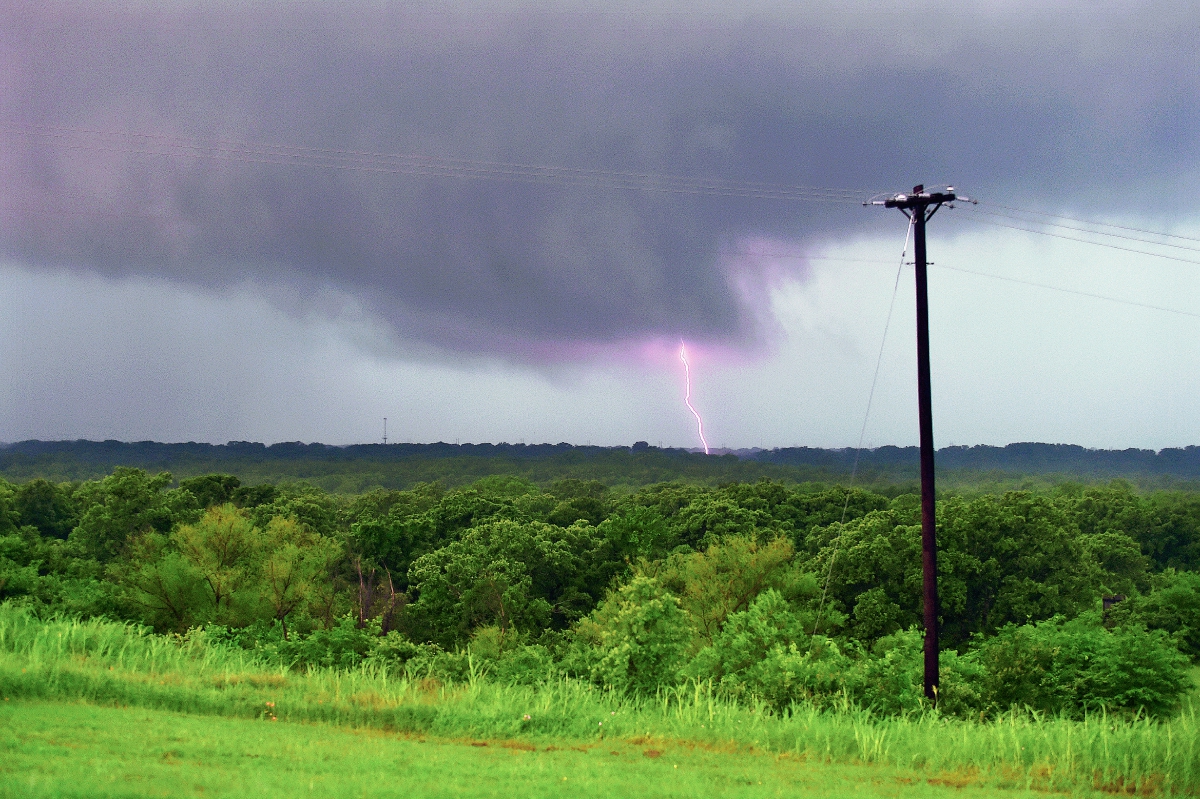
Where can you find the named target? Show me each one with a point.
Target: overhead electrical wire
(1077, 292)
(1122, 236)
(143, 144)
(289, 155)
(1095, 223)
(1035, 284)
(170, 146)
(1051, 234)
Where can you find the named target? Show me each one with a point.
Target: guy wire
(863, 430)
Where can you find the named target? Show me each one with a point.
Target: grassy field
(65, 750)
(63, 663)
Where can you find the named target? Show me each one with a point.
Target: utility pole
(920, 206)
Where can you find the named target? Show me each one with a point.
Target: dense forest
(775, 592)
(358, 468)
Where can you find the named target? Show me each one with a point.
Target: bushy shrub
(398, 652)
(507, 657)
(519, 576)
(344, 646)
(1076, 666)
(1173, 605)
(18, 576)
(637, 639)
(727, 576)
(259, 636)
(765, 651)
(891, 680)
(432, 662)
(814, 671)
(747, 636)
(531, 664)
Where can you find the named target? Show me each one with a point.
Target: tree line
(358, 468)
(776, 593)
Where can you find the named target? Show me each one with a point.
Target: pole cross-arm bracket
(919, 198)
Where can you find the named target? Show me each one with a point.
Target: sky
(497, 221)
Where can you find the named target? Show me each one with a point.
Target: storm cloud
(225, 145)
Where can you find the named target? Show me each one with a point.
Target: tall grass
(113, 663)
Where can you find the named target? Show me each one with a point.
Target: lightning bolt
(687, 394)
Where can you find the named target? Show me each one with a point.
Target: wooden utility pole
(920, 206)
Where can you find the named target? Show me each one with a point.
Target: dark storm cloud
(1079, 105)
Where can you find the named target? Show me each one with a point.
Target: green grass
(106, 663)
(80, 750)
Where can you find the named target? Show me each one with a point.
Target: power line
(291, 155)
(1069, 291)
(1093, 243)
(161, 145)
(424, 165)
(1047, 286)
(783, 255)
(1086, 230)
(1095, 223)
(90, 211)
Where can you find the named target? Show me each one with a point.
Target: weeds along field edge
(108, 662)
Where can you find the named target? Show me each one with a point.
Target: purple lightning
(687, 394)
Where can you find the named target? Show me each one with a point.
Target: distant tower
(385, 430)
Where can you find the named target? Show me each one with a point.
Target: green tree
(579, 499)
(1078, 666)
(294, 564)
(251, 497)
(400, 505)
(1172, 605)
(871, 572)
(637, 531)
(1025, 560)
(1173, 541)
(211, 489)
(727, 577)
(161, 587)
(392, 529)
(46, 506)
(637, 640)
(516, 575)
(455, 513)
(127, 503)
(18, 566)
(666, 500)
(769, 651)
(222, 547)
(708, 519)
(307, 504)
(223, 569)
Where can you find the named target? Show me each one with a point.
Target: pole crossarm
(919, 198)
